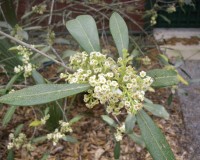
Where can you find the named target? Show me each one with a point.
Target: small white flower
(126, 78)
(110, 74)
(142, 74)
(114, 83)
(118, 136)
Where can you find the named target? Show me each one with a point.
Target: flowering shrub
(116, 85)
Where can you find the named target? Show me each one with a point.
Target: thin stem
(64, 116)
(51, 11)
(57, 55)
(36, 50)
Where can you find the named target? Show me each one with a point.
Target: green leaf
(170, 99)
(130, 123)
(153, 137)
(119, 31)
(42, 93)
(163, 59)
(68, 53)
(137, 139)
(8, 115)
(39, 139)
(75, 119)
(84, 31)
(157, 110)
(117, 151)
(10, 155)
(35, 123)
(62, 41)
(165, 18)
(148, 100)
(56, 115)
(163, 77)
(37, 77)
(70, 139)
(18, 129)
(12, 81)
(109, 121)
(8, 9)
(135, 53)
(45, 156)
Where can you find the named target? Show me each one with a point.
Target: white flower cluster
(19, 142)
(119, 134)
(40, 9)
(59, 133)
(146, 60)
(153, 18)
(19, 33)
(44, 119)
(115, 84)
(27, 67)
(171, 9)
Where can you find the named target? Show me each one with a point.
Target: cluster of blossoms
(59, 133)
(146, 60)
(44, 119)
(19, 142)
(19, 33)
(40, 9)
(119, 134)
(50, 37)
(171, 9)
(27, 67)
(153, 18)
(115, 84)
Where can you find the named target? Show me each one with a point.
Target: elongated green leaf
(137, 139)
(18, 129)
(8, 9)
(39, 139)
(75, 119)
(117, 151)
(8, 115)
(130, 123)
(13, 79)
(42, 93)
(67, 53)
(153, 137)
(84, 31)
(119, 31)
(10, 155)
(163, 77)
(70, 139)
(165, 18)
(37, 77)
(157, 110)
(170, 99)
(109, 121)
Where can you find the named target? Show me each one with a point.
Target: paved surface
(189, 95)
(190, 104)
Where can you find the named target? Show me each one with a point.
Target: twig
(57, 55)
(36, 50)
(51, 11)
